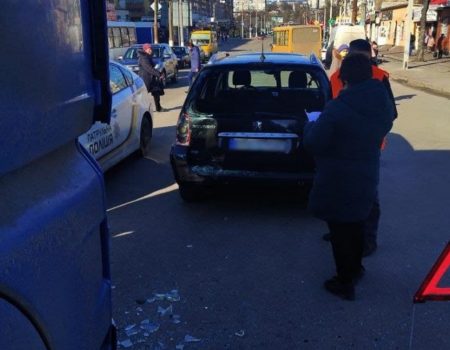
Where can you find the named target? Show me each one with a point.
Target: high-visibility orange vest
(337, 85)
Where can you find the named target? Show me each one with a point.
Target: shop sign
(431, 14)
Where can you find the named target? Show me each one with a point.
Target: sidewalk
(432, 76)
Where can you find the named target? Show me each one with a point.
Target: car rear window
(272, 90)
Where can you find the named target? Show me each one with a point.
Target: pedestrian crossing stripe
(429, 290)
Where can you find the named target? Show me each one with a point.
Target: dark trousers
(371, 223)
(347, 243)
(157, 99)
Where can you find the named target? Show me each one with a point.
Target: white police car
(131, 123)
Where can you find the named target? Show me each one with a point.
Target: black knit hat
(360, 45)
(355, 69)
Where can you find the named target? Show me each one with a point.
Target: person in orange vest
(361, 46)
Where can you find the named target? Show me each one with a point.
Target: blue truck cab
(55, 284)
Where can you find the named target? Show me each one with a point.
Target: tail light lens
(184, 130)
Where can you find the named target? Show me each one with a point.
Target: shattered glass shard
(173, 296)
(163, 312)
(130, 326)
(159, 296)
(126, 343)
(149, 327)
(190, 339)
(240, 333)
(176, 319)
(131, 332)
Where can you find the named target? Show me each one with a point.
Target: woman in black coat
(150, 75)
(345, 142)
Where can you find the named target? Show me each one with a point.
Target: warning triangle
(429, 289)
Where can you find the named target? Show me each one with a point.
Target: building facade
(249, 5)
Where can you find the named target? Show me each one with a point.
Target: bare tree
(423, 21)
(354, 10)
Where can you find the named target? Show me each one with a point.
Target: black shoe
(327, 237)
(369, 249)
(359, 274)
(345, 291)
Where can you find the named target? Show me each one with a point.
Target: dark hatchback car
(182, 54)
(243, 120)
(165, 61)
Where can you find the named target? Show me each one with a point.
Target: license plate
(260, 145)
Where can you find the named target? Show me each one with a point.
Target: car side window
(117, 80)
(128, 76)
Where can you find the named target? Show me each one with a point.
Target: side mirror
(120, 58)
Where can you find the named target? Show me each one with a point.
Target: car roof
(273, 58)
(139, 46)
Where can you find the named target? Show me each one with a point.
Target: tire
(175, 76)
(191, 193)
(146, 136)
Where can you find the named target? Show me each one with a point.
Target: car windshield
(200, 39)
(132, 53)
(282, 89)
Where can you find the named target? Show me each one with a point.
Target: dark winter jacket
(345, 142)
(148, 73)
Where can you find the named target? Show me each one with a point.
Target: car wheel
(175, 76)
(146, 136)
(191, 193)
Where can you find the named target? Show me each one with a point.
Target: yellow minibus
(304, 39)
(206, 40)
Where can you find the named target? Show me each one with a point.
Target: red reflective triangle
(429, 289)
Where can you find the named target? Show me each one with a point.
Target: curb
(417, 84)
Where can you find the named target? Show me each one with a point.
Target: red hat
(146, 47)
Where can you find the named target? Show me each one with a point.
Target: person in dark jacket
(345, 142)
(360, 46)
(150, 75)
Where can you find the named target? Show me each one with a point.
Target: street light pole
(181, 23)
(242, 20)
(170, 3)
(155, 22)
(409, 14)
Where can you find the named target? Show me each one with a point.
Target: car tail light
(183, 130)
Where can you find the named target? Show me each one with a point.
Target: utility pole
(242, 20)
(181, 23)
(170, 4)
(354, 11)
(250, 23)
(155, 22)
(409, 14)
(189, 18)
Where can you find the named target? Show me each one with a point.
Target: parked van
(342, 34)
(55, 282)
(206, 40)
(303, 39)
